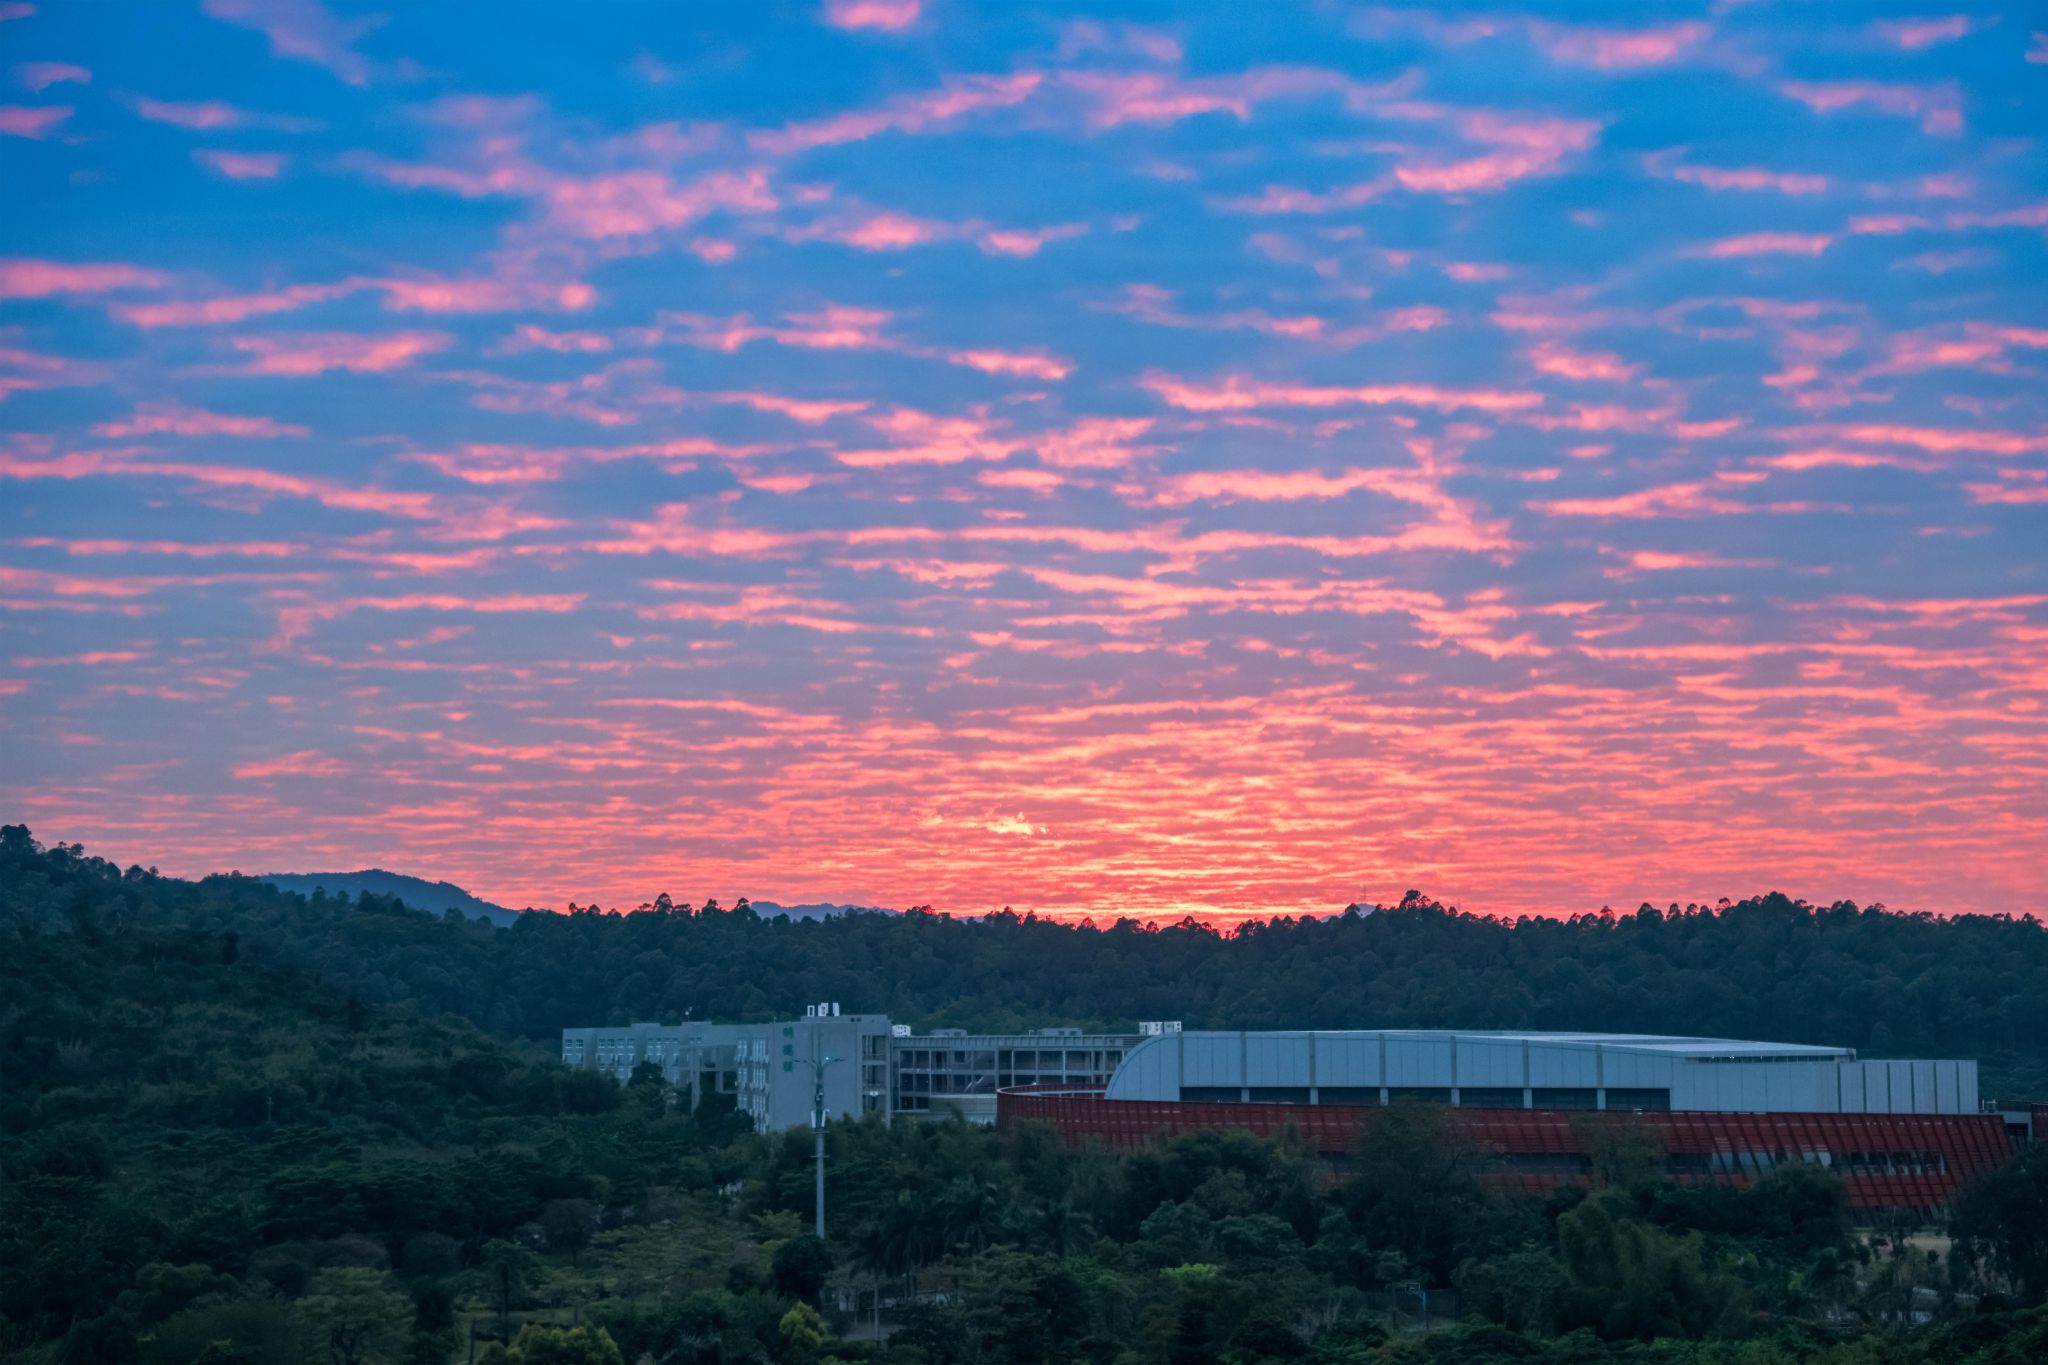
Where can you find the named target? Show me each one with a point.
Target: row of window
(967, 1083)
(1006, 1059)
(1467, 1097)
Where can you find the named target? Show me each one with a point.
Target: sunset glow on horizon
(1189, 459)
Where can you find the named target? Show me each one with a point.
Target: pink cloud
(293, 622)
(527, 337)
(1238, 394)
(17, 120)
(633, 203)
(1749, 178)
(36, 77)
(1153, 305)
(241, 165)
(1938, 107)
(1530, 148)
(1260, 485)
(22, 278)
(304, 30)
(1022, 364)
(1603, 49)
(923, 438)
(515, 177)
(955, 99)
(1113, 98)
(1665, 561)
(1094, 443)
(880, 232)
(1703, 498)
(1555, 358)
(1941, 262)
(479, 294)
(207, 116)
(1026, 241)
(889, 16)
(1082, 36)
(261, 483)
(26, 371)
(154, 419)
(809, 411)
(1767, 244)
(229, 308)
(1912, 35)
(301, 354)
(302, 763)
(1609, 49)
(1154, 97)
(1944, 440)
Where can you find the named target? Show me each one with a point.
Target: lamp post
(818, 1062)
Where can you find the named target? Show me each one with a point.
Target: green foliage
(537, 1344)
(240, 1128)
(800, 1266)
(2001, 1222)
(1897, 984)
(802, 1334)
(351, 1318)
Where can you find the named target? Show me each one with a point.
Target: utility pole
(818, 1064)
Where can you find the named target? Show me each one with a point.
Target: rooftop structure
(1500, 1070)
(1902, 1133)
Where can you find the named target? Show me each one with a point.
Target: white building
(1536, 1071)
(870, 1065)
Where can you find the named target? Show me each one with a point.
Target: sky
(1222, 459)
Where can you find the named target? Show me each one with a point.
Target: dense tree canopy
(236, 1126)
(1885, 983)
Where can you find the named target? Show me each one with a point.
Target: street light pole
(818, 1064)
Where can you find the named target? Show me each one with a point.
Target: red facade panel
(1916, 1161)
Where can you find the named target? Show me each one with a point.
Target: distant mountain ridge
(441, 897)
(419, 893)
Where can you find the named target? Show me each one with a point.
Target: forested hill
(417, 892)
(1769, 967)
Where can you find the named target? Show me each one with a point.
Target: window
(1895, 1163)
(1423, 1094)
(1353, 1095)
(1548, 1097)
(1659, 1100)
(1211, 1094)
(1279, 1094)
(1487, 1097)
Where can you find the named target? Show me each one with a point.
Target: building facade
(870, 1065)
(1901, 1134)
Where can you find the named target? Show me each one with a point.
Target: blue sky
(1151, 458)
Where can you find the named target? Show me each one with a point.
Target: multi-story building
(870, 1065)
(950, 1071)
(699, 1057)
(782, 1065)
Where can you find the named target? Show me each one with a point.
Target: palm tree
(973, 1212)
